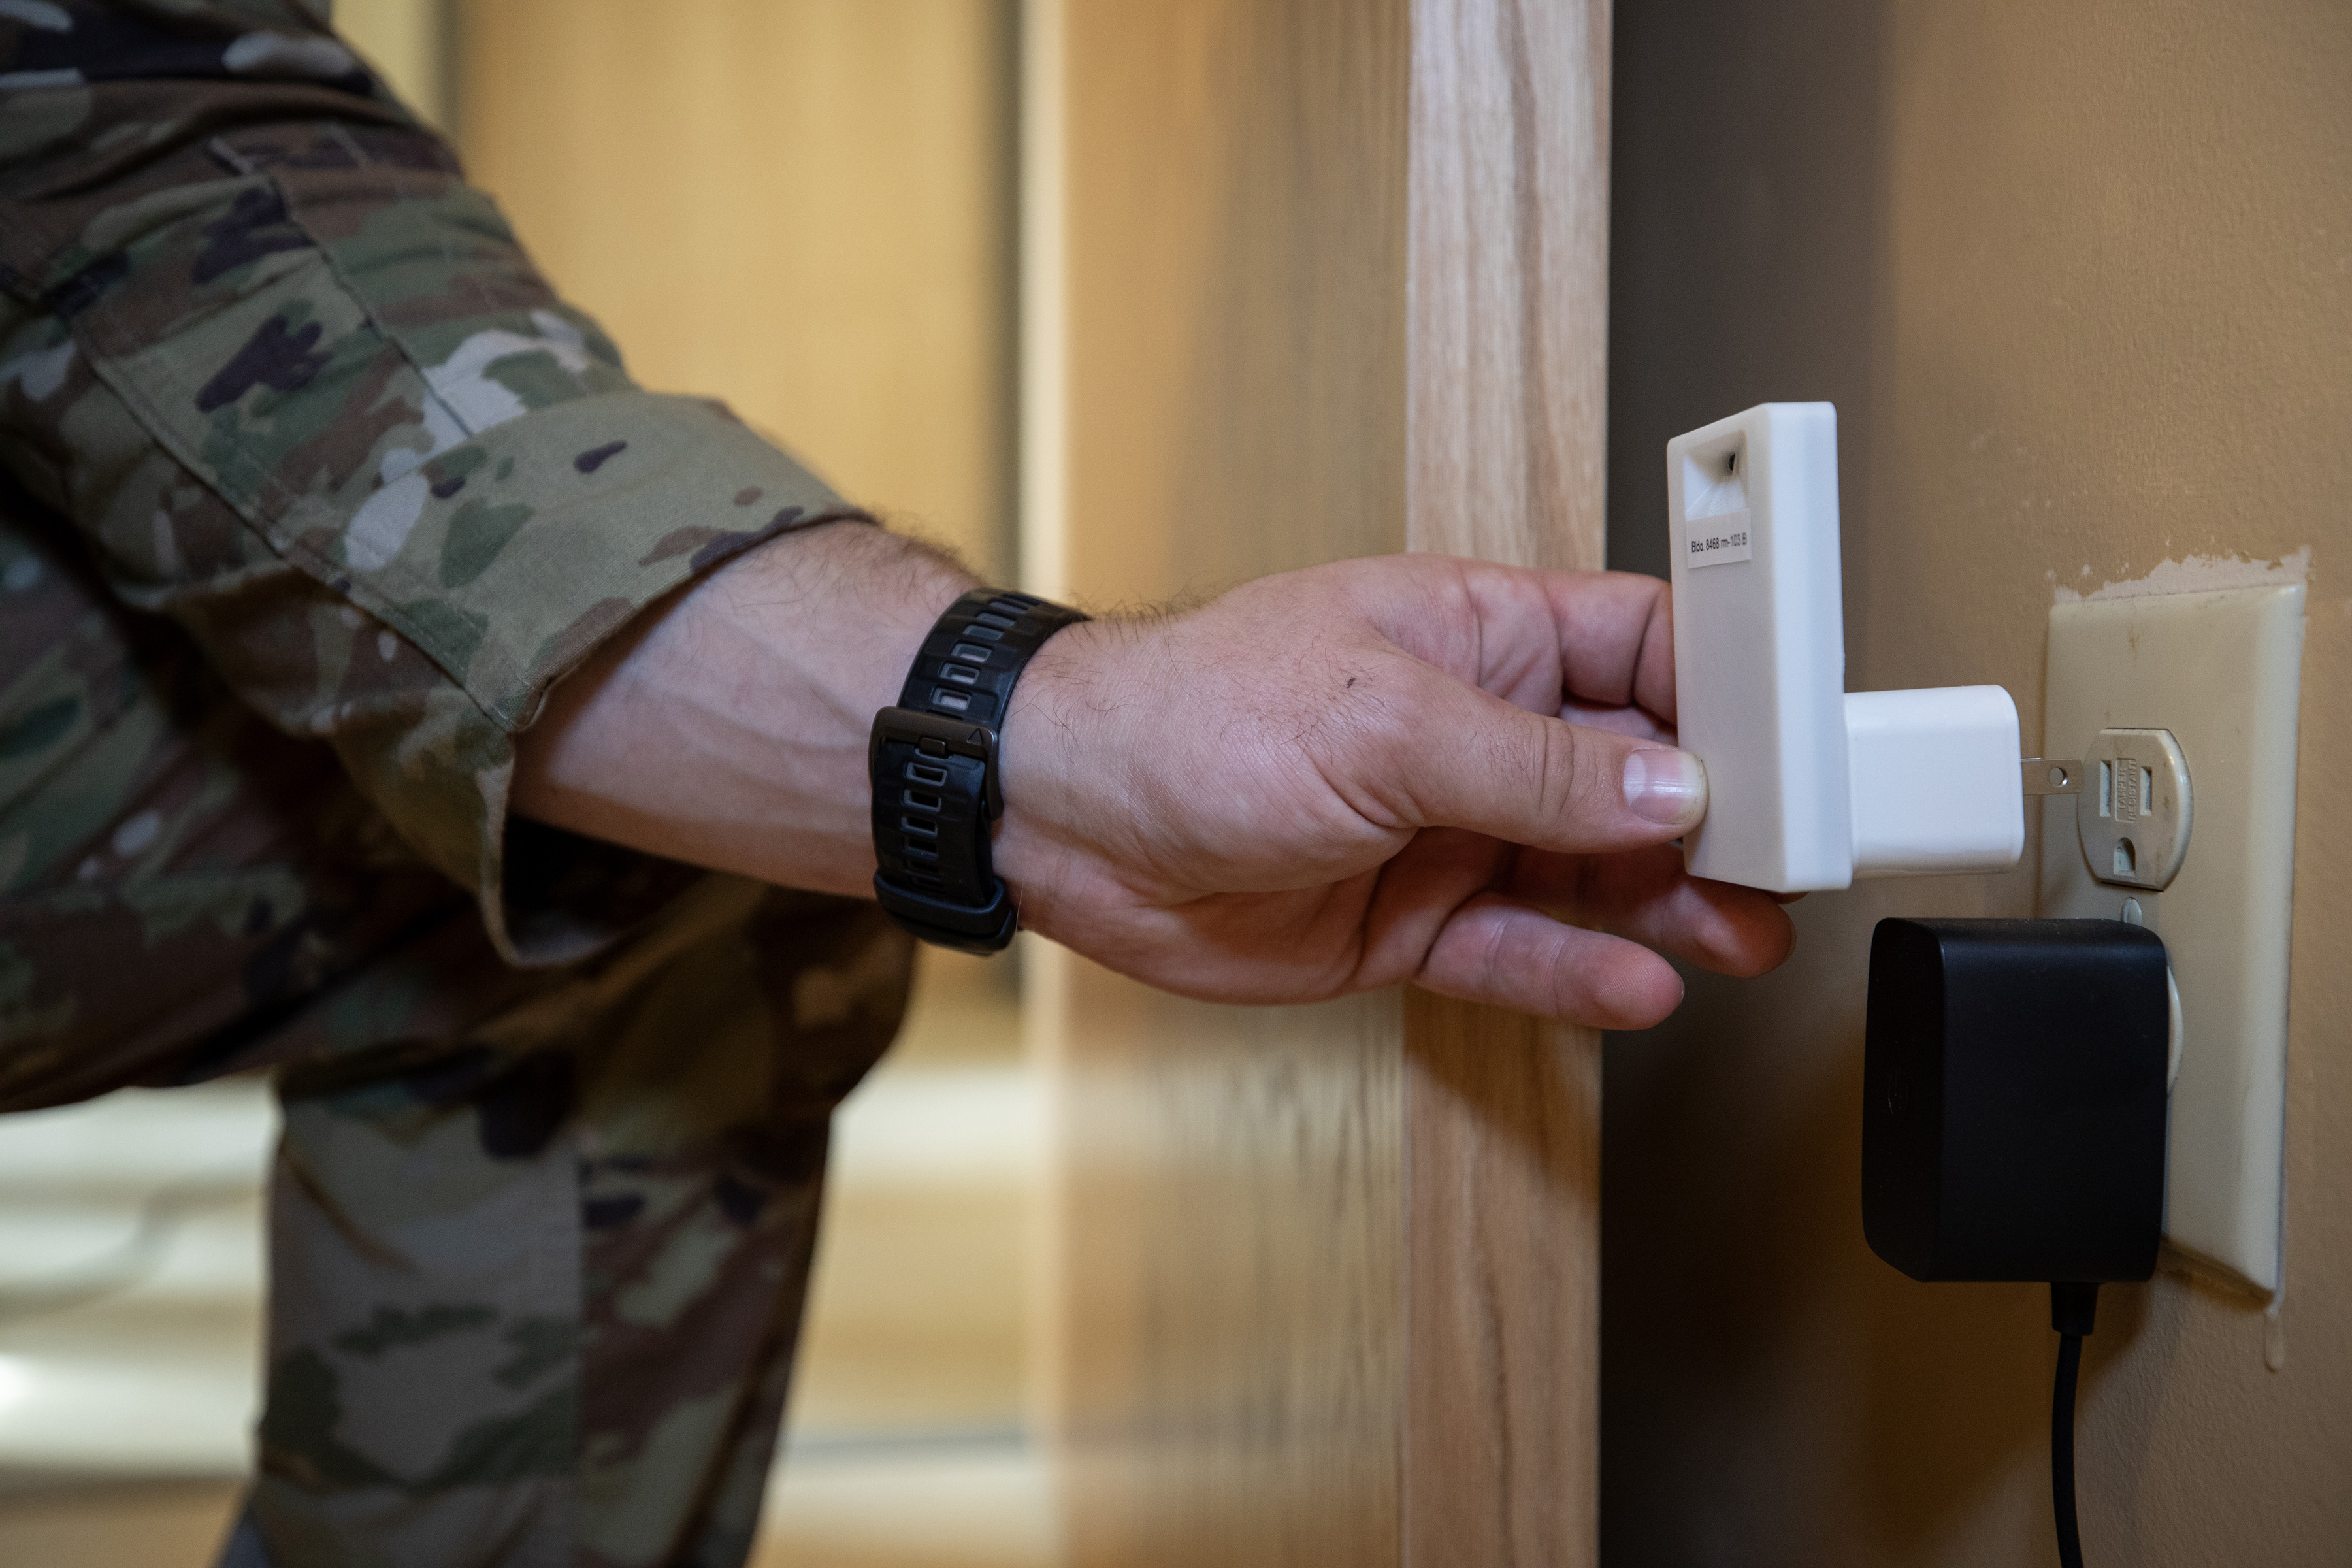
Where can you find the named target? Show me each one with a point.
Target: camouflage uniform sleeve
(298, 387)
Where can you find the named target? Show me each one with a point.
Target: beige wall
(2079, 278)
(407, 42)
(805, 209)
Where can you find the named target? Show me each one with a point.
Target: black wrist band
(932, 760)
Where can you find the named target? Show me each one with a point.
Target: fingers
(1498, 947)
(1438, 753)
(1630, 720)
(1496, 950)
(1603, 640)
(1617, 638)
(1646, 895)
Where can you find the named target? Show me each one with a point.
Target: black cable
(2062, 1451)
(2072, 1308)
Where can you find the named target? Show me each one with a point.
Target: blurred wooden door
(1310, 279)
(802, 206)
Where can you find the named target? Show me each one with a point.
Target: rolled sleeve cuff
(509, 558)
(517, 555)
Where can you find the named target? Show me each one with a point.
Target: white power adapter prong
(1809, 787)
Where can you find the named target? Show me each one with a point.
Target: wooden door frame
(1492, 1180)
(1507, 441)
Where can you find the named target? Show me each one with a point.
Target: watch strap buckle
(935, 736)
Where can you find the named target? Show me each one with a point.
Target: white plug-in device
(1810, 786)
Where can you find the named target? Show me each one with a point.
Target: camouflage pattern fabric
(312, 489)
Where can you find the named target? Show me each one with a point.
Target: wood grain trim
(1506, 346)
(1508, 262)
(1502, 1200)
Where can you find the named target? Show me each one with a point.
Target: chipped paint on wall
(2196, 575)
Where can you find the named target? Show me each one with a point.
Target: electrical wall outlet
(2203, 685)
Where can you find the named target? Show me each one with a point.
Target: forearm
(1319, 783)
(728, 729)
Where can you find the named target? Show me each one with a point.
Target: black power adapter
(2015, 1076)
(2013, 1093)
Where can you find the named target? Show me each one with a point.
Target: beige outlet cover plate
(2221, 672)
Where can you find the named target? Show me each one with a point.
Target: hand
(1403, 768)
(1321, 783)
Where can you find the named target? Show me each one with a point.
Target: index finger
(1616, 638)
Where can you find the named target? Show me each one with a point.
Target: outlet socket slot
(2134, 825)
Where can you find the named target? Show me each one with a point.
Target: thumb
(1466, 758)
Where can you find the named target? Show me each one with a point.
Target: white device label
(1719, 539)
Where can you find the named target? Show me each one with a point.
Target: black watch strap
(932, 760)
